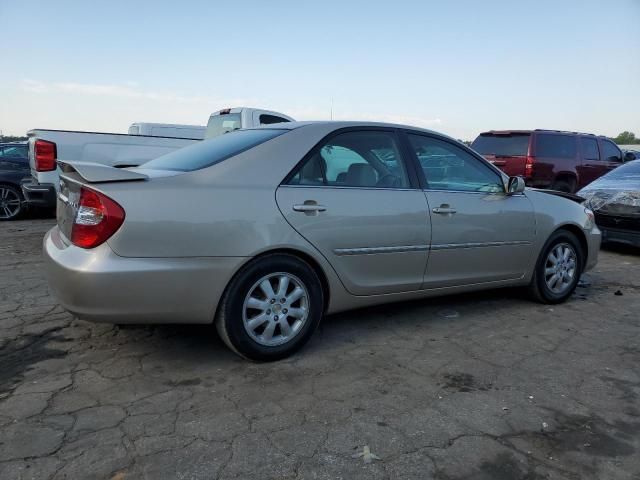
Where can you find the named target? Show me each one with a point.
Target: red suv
(565, 161)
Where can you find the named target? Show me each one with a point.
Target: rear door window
(590, 148)
(506, 145)
(364, 159)
(557, 146)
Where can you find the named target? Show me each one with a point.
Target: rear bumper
(99, 285)
(38, 194)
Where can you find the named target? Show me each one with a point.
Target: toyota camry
(264, 231)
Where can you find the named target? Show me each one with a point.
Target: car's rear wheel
(558, 268)
(271, 308)
(10, 202)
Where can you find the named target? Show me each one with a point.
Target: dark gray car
(14, 166)
(615, 200)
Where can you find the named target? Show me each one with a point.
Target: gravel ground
(483, 386)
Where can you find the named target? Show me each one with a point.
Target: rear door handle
(444, 210)
(309, 208)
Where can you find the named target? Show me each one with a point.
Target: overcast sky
(459, 67)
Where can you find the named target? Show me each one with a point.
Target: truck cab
(229, 119)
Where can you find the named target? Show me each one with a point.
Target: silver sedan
(264, 231)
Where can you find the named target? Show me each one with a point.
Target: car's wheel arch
(567, 177)
(578, 232)
(300, 255)
(4, 183)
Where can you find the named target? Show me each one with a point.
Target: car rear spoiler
(98, 173)
(570, 196)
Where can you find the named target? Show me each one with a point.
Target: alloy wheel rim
(560, 268)
(9, 203)
(275, 309)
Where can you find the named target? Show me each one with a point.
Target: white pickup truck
(167, 130)
(116, 150)
(229, 119)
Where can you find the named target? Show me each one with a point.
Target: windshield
(220, 124)
(209, 152)
(512, 144)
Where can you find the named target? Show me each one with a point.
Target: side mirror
(629, 156)
(515, 185)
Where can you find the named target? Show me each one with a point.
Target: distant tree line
(627, 138)
(11, 138)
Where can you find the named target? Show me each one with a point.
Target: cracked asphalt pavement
(482, 386)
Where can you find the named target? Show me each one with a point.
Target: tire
(561, 186)
(246, 318)
(9, 209)
(540, 289)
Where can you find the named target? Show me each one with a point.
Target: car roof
(539, 130)
(338, 124)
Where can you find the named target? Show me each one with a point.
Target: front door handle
(444, 210)
(309, 208)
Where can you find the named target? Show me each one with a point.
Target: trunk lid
(98, 173)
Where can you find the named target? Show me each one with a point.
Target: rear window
(209, 152)
(509, 145)
(558, 146)
(221, 124)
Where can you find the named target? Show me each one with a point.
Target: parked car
(14, 166)
(615, 200)
(46, 147)
(194, 132)
(229, 119)
(264, 230)
(550, 159)
(630, 154)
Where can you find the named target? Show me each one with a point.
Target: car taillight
(45, 155)
(97, 218)
(528, 167)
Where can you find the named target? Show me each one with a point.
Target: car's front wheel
(271, 308)
(558, 268)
